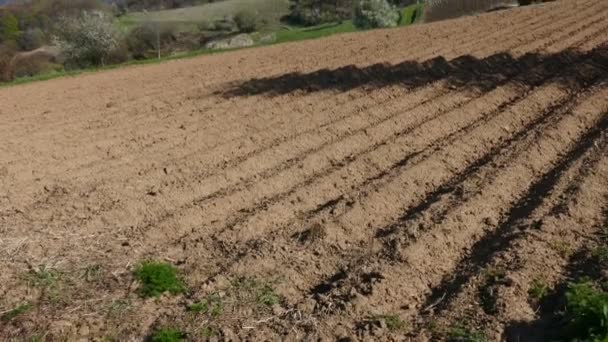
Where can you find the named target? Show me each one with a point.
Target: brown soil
(370, 181)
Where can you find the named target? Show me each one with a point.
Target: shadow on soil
(462, 72)
(550, 324)
(511, 228)
(551, 321)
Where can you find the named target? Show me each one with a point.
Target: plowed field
(361, 186)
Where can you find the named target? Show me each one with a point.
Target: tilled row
(495, 286)
(296, 262)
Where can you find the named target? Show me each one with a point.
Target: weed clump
(212, 305)
(538, 289)
(157, 278)
(253, 291)
(167, 335)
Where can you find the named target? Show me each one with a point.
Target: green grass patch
(167, 335)
(314, 32)
(14, 313)
(157, 278)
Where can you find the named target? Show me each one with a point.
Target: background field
(443, 181)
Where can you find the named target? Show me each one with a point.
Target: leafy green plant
(19, 310)
(587, 313)
(167, 335)
(157, 278)
(600, 254)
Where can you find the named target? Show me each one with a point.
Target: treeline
(314, 12)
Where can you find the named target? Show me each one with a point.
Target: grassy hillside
(270, 11)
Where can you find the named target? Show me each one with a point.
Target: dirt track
(359, 176)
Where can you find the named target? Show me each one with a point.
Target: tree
(9, 27)
(87, 39)
(313, 12)
(374, 14)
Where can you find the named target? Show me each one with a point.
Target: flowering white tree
(87, 39)
(375, 13)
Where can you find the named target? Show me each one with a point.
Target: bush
(142, 40)
(206, 26)
(34, 63)
(315, 12)
(375, 14)
(31, 39)
(86, 40)
(246, 21)
(227, 24)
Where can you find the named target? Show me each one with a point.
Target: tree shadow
(510, 229)
(466, 72)
(551, 321)
(550, 324)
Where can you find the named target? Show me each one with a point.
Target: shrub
(246, 21)
(375, 14)
(34, 63)
(157, 278)
(142, 40)
(225, 24)
(31, 39)
(87, 39)
(314, 12)
(9, 27)
(206, 26)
